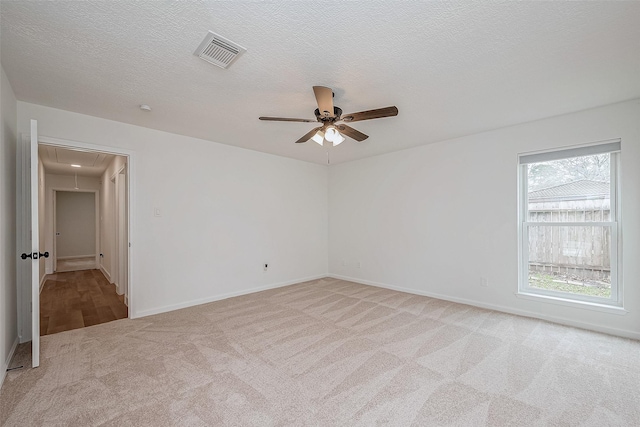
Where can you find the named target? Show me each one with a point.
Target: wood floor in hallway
(76, 299)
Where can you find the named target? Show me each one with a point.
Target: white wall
(225, 211)
(59, 182)
(403, 216)
(8, 252)
(75, 224)
(436, 218)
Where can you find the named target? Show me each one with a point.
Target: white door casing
(122, 232)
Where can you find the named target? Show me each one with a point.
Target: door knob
(35, 255)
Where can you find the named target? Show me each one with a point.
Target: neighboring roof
(576, 190)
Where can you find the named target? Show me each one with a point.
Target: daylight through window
(568, 224)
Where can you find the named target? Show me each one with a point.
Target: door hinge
(30, 307)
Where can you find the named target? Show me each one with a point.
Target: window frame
(524, 159)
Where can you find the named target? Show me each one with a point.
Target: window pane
(576, 189)
(570, 259)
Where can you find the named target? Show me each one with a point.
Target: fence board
(582, 252)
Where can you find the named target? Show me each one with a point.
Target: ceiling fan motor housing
(337, 112)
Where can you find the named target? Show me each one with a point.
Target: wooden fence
(579, 252)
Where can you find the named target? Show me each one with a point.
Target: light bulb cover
(318, 137)
(338, 139)
(330, 134)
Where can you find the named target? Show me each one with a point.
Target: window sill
(573, 303)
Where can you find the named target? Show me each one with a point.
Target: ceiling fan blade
(324, 96)
(285, 119)
(352, 133)
(370, 114)
(307, 136)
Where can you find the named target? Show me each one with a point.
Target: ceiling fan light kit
(333, 136)
(329, 115)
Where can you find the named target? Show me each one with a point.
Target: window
(568, 224)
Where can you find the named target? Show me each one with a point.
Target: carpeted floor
(328, 353)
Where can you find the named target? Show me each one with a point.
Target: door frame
(122, 242)
(54, 222)
(118, 251)
(131, 205)
(130, 199)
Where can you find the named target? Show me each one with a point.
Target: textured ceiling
(451, 68)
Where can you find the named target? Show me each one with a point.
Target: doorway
(33, 264)
(84, 220)
(75, 230)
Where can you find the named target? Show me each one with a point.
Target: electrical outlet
(344, 263)
(484, 282)
(358, 264)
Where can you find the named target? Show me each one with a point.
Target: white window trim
(611, 305)
(606, 308)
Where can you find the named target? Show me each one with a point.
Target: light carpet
(328, 353)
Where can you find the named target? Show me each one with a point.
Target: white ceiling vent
(219, 51)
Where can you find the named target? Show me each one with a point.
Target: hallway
(76, 299)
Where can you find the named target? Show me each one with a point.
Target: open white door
(28, 264)
(35, 246)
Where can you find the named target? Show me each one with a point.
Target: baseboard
(206, 300)
(554, 319)
(77, 256)
(3, 374)
(42, 280)
(106, 273)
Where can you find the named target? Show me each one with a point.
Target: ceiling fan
(329, 115)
